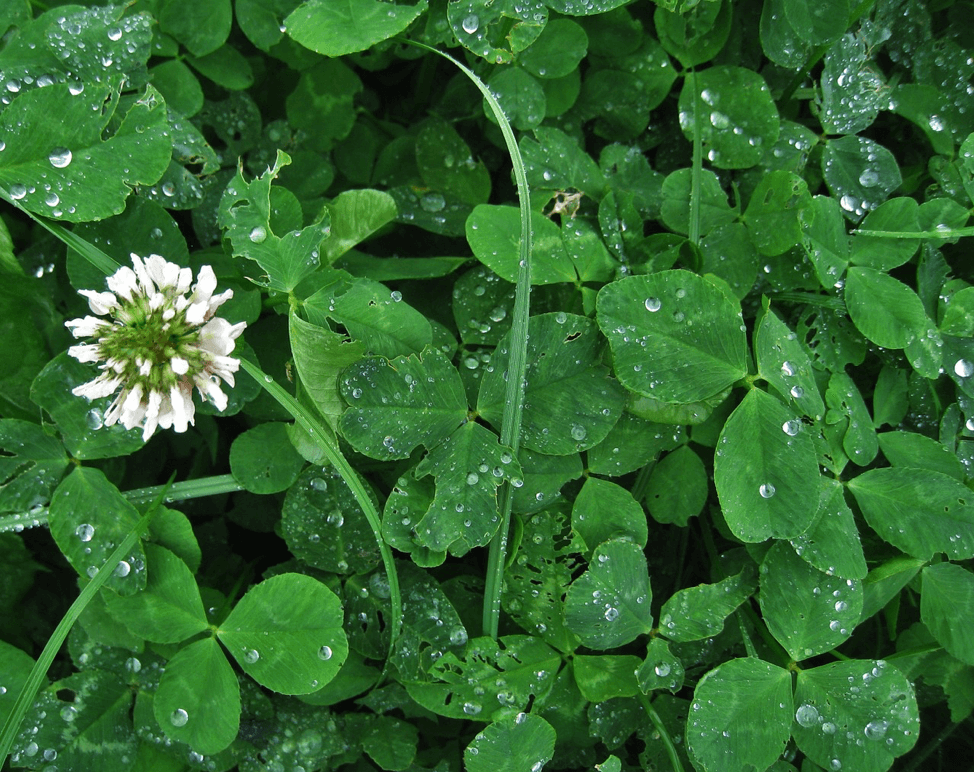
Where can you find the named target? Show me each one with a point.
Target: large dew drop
(470, 24)
(84, 532)
(806, 715)
(179, 717)
(963, 368)
(60, 157)
(766, 490)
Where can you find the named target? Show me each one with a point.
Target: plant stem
(660, 727)
(324, 441)
(696, 170)
(181, 491)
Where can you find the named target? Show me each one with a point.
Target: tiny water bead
(470, 24)
(653, 304)
(179, 717)
(258, 234)
(18, 191)
(324, 653)
(123, 569)
(251, 656)
(662, 670)
(792, 427)
(767, 490)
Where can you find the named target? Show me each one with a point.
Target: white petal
(87, 327)
(103, 386)
(217, 336)
(196, 313)
(218, 300)
(179, 365)
(86, 352)
(147, 285)
(183, 409)
(209, 388)
(145, 367)
(165, 412)
(133, 400)
(123, 282)
(151, 415)
(205, 284)
(100, 302)
(184, 280)
(163, 273)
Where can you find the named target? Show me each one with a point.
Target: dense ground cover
(700, 499)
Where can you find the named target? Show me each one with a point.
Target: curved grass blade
(26, 697)
(306, 420)
(514, 398)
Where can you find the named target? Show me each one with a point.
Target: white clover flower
(157, 345)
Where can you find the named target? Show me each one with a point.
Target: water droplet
(433, 202)
(473, 478)
(963, 368)
(76, 88)
(876, 730)
(719, 120)
(611, 614)
(797, 392)
(133, 665)
(60, 157)
(787, 369)
(828, 728)
(324, 653)
(94, 419)
(806, 715)
(115, 33)
(767, 490)
(471, 708)
(179, 717)
(168, 189)
(653, 304)
(258, 234)
(662, 669)
(18, 191)
(868, 178)
(841, 605)
(52, 199)
(396, 296)
(251, 656)
(470, 24)
(792, 427)
(69, 713)
(578, 432)
(123, 569)
(84, 532)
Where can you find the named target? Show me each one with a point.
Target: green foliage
(721, 452)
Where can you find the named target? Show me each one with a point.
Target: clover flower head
(160, 340)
